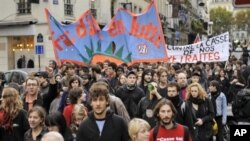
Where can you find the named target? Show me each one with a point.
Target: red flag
(197, 38)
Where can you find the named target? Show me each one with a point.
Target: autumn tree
(242, 20)
(222, 20)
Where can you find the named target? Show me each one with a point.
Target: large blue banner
(126, 38)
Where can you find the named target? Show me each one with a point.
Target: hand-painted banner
(126, 38)
(211, 50)
(74, 42)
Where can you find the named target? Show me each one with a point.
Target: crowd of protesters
(110, 102)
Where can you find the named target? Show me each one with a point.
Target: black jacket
(37, 102)
(145, 110)
(20, 126)
(115, 129)
(130, 99)
(206, 113)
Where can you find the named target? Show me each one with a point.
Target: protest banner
(126, 38)
(213, 49)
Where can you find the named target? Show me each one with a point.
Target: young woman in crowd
(36, 118)
(219, 101)
(147, 77)
(56, 122)
(121, 81)
(224, 82)
(138, 130)
(13, 119)
(78, 115)
(203, 112)
(75, 97)
(73, 83)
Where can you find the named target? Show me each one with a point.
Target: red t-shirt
(174, 134)
(67, 113)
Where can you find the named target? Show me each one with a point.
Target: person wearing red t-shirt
(167, 129)
(75, 97)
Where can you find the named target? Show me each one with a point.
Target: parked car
(17, 76)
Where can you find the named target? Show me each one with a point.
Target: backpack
(241, 104)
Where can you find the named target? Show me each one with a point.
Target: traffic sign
(39, 49)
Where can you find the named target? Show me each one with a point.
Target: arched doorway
(22, 50)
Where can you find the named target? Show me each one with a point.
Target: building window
(68, 8)
(135, 9)
(140, 10)
(242, 35)
(93, 8)
(93, 12)
(24, 7)
(92, 4)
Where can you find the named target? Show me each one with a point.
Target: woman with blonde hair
(202, 111)
(79, 113)
(13, 119)
(138, 129)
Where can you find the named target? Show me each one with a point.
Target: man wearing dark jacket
(130, 94)
(183, 115)
(101, 124)
(147, 105)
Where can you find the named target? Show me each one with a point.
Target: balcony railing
(68, 9)
(93, 11)
(23, 8)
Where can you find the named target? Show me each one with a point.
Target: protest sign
(213, 49)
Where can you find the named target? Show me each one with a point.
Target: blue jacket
(221, 107)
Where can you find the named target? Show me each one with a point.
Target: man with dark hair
(96, 73)
(31, 96)
(130, 94)
(167, 128)
(102, 124)
(70, 73)
(111, 74)
(83, 70)
(184, 114)
(42, 76)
